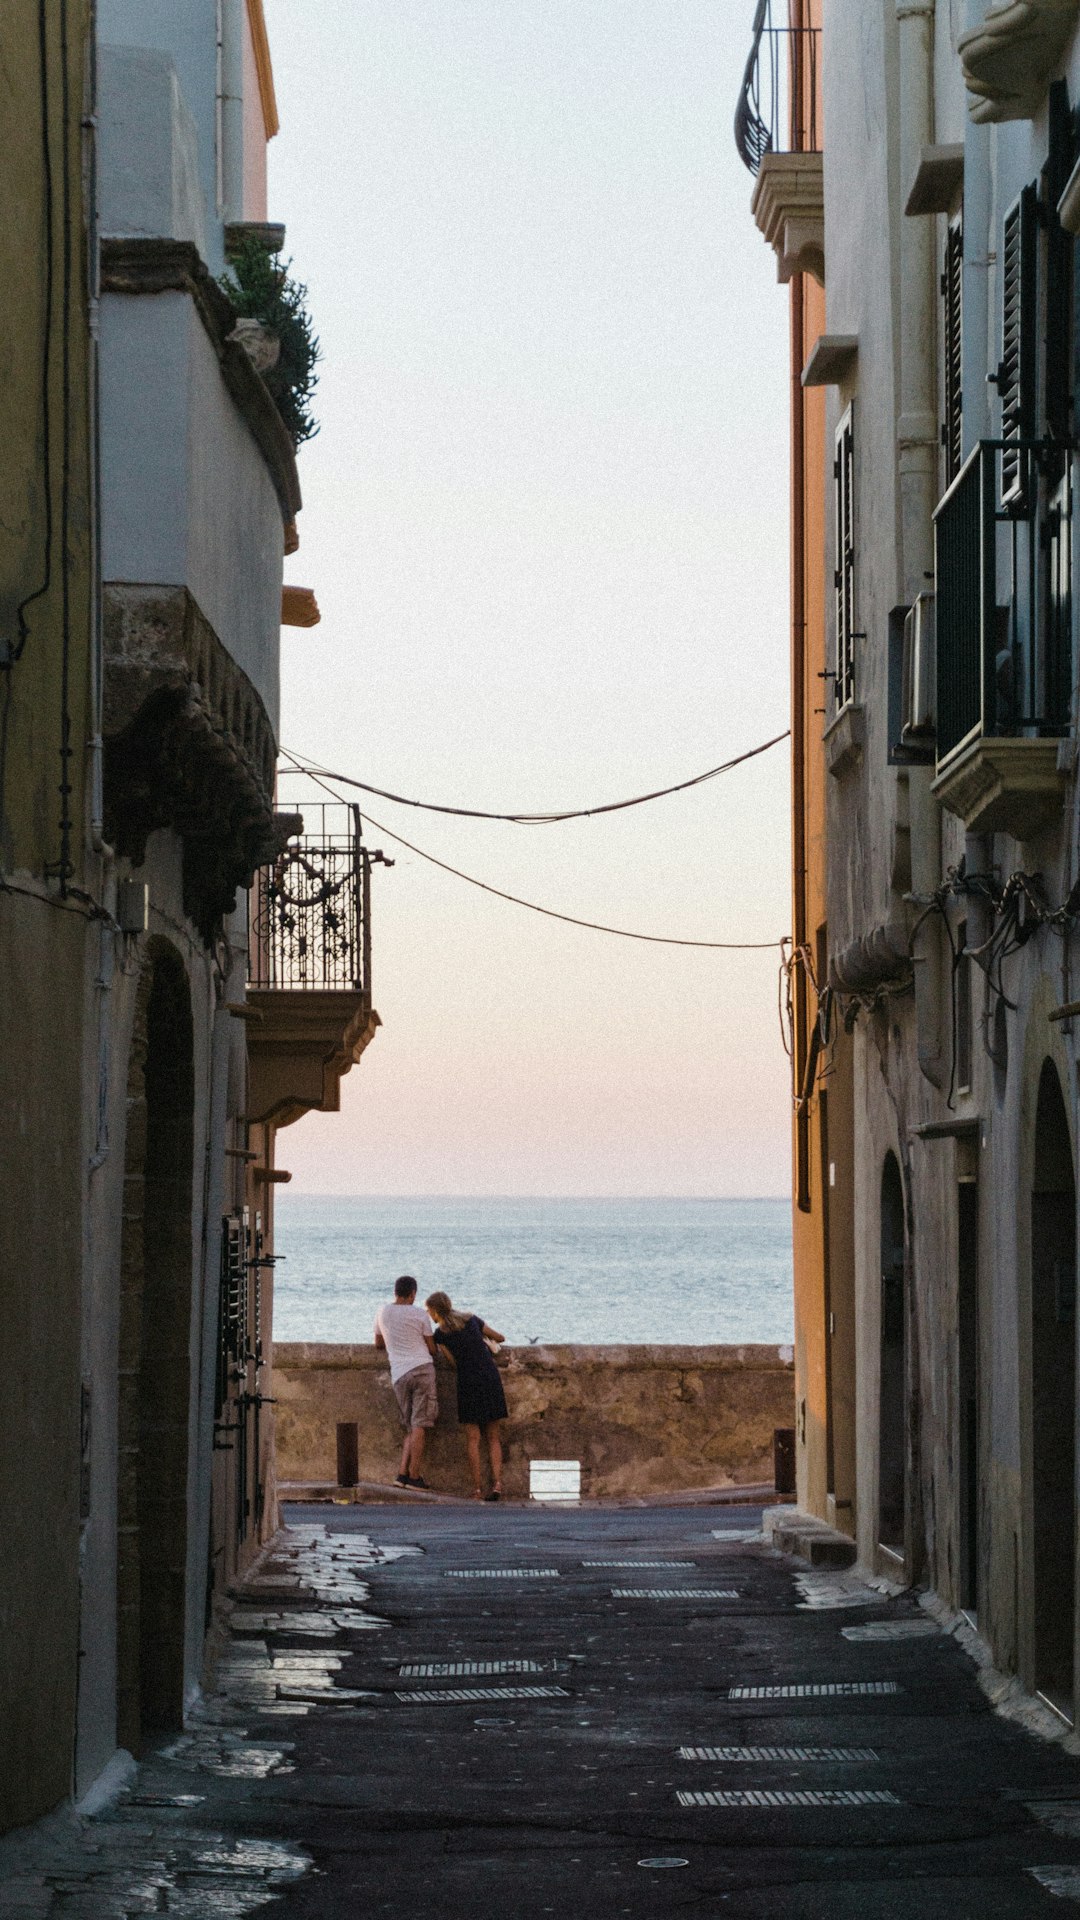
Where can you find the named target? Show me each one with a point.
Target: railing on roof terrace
(1003, 585)
(778, 105)
(311, 910)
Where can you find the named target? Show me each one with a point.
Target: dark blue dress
(480, 1395)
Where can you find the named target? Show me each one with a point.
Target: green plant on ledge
(260, 288)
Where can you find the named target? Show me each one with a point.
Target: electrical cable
(533, 819)
(550, 913)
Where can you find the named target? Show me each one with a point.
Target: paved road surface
(335, 1776)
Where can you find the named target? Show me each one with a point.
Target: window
(952, 293)
(844, 574)
(1016, 374)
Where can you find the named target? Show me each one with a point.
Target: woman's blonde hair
(441, 1308)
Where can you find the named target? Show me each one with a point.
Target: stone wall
(641, 1420)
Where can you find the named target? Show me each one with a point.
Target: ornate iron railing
(1003, 585)
(777, 111)
(311, 910)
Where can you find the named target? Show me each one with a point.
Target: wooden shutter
(844, 571)
(952, 290)
(1016, 374)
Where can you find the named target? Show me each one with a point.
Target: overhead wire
(550, 913)
(535, 819)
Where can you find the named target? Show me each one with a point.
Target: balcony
(776, 132)
(309, 986)
(1003, 638)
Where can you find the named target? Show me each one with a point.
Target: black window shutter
(1016, 374)
(952, 288)
(1059, 268)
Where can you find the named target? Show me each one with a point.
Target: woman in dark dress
(481, 1400)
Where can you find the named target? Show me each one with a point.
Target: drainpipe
(917, 470)
(230, 110)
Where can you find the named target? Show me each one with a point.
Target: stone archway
(892, 1421)
(1053, 1394)
(155, 1367)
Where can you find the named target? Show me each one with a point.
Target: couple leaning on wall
(410, 1340)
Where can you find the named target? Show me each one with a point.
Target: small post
(348, 1453)
(783, 1461)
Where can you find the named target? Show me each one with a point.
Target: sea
(591, 1272)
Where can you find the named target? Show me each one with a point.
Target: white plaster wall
(187, 34)
(148, 149)
(187, 499)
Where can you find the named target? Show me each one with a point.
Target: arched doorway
(155, 1368)
(892, 1423)
(1053, 1393)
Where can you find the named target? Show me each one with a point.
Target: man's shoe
(417, 1483)
(403, 1480)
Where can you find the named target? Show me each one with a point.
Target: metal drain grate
(460, 1669)
(766, 1755)
(797, 1797)
(820, 1690)
(673, 1593)
(639, 1563)
(502, 1573)
(485, 1693)
(891, 1630)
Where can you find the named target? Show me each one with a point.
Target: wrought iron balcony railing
(311, 910)
(778, 109)
(1003, 634)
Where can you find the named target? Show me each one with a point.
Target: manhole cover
(664, 1860)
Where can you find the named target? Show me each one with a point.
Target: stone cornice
(140, 265)
(789, 208)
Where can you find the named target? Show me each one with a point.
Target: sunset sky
(545, 519)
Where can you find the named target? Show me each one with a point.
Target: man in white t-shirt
(404, 1333)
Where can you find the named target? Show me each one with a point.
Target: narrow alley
(515, 1712)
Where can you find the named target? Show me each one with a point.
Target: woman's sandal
(478, 1493)
(495, 1494)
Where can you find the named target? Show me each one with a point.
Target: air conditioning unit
(917, 710)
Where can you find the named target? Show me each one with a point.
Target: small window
(844, 573)
(952, 293)
(555, 1480)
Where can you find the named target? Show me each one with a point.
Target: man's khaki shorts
(417, 1396)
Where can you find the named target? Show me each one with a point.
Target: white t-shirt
(403, 1329)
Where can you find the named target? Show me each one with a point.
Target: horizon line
(713, 1199)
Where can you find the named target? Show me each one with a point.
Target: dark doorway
(155, 1368)
(892, 1425)
(1053, 1393)
(967, 1397)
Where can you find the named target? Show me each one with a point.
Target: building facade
(950, 195)
(152, 494)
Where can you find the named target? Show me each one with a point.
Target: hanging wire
(533, 819)
(550, 913)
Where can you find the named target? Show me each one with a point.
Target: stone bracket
(789, 208)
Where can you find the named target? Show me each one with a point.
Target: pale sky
(546, 521)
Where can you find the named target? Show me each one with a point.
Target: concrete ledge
(644, 1421)
(790, 1531)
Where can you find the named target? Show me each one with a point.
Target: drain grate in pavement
(891, 1630)
(484, 1693)
(817, 1690)
(639, 1563)
(502, 1573)
(674, 1593)
(458, 1669)
(766, 1755)
(796, 1797)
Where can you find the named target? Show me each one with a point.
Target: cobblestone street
(492, 1712)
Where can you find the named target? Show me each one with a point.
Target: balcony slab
(301, 1043)
(1003, 785)
(789, 208)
